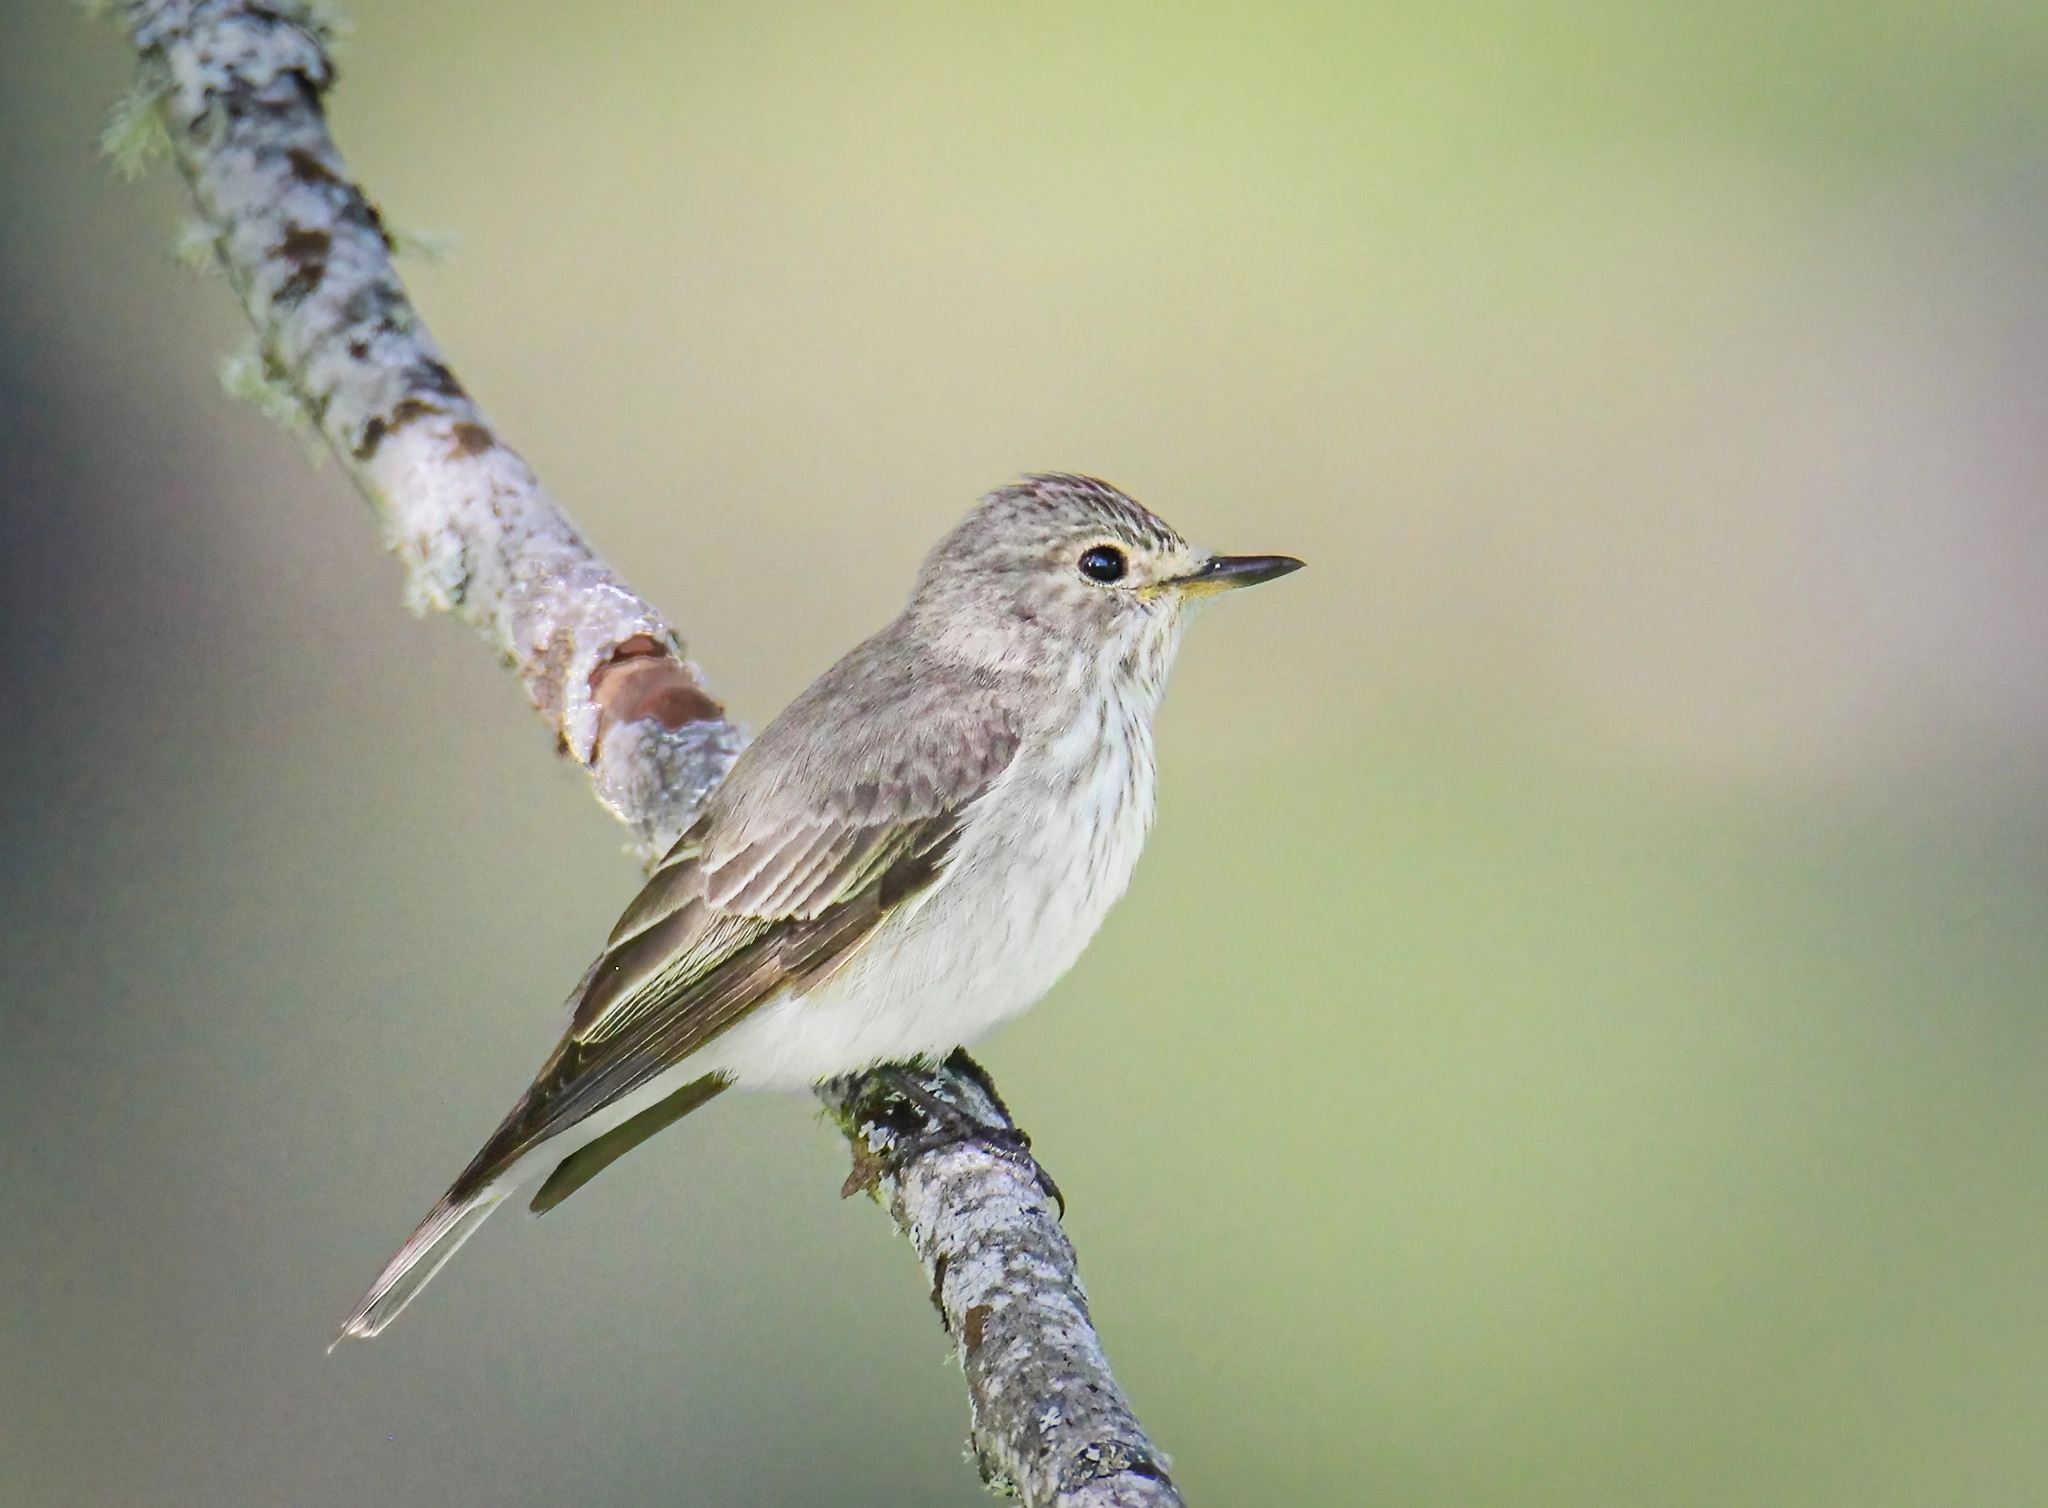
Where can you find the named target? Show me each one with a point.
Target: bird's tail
(452, 1222)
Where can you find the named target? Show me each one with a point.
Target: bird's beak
(1219, 573)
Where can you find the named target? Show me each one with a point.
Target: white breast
(1040, 860)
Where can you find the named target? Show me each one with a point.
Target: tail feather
(578, 1152)
(423, 1255)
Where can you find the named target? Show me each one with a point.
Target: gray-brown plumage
(912, 852)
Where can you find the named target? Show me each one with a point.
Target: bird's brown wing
(695, 911)
(701, 947)
(679, 971)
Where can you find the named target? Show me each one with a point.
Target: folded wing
(746, 906)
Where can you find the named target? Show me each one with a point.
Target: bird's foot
(945, 1124)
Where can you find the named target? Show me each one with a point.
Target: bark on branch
(237, 87)
(1050, 1422)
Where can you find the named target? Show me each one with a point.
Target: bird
(911, 853)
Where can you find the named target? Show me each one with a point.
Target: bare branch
(237, 88)
(1050, 1422)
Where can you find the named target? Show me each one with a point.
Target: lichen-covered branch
(1050, 1422)
(233, 89)
(238, 89)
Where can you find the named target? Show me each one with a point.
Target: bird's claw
(946, 1125)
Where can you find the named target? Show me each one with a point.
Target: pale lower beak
(1219, 573)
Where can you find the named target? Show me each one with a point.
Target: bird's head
(1059, 571)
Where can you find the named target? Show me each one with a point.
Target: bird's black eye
(1104, 563)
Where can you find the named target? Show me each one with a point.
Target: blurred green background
(1580, 1036)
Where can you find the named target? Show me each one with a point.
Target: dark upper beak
(1219, 573)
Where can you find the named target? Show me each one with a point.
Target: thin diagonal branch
(1050, 1421)
(238, 86)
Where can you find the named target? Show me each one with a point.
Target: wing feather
(673, 884)
(670, 988)
(763, 880)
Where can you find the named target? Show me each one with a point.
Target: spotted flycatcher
(913, 852)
